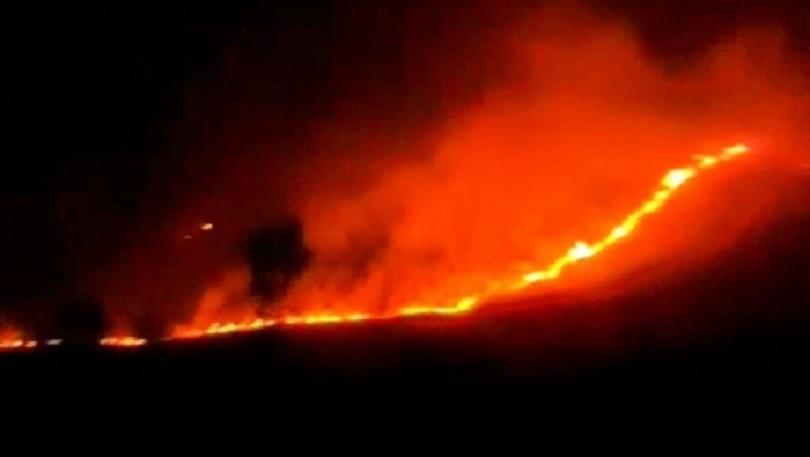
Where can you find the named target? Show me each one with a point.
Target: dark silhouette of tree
(276, 255)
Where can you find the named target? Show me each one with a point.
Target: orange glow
(11, 344)
(122, 341)
(207, 226)
(11, 338)
(18, 343)
(673, 180)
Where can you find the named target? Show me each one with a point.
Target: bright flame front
(673, 180)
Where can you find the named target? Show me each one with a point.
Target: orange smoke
(433, 205)
(558, 151)
(670, 183)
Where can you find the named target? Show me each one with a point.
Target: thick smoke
(560, 125)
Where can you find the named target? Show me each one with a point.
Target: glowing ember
(122, 341)
(11, 338)
(9, 344)
(357, 317)
(18, 344)
(675, 178)
(207, 226)
(671, 182)
(580, 251)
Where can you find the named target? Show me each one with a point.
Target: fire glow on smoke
(562, 151)
(542, 170)
(673, 180)
(670, 183)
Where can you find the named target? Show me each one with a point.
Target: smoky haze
(424, 149)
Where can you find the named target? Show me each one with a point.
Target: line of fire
(278, 255)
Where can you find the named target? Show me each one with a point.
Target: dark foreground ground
(718, 355)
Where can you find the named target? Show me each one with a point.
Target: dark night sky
(106, 101)
(96, 96)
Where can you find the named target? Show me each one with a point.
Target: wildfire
(673, 180)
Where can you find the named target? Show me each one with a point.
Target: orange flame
(14, 339)
(673, 180)
(18, 343)
(122, 341)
